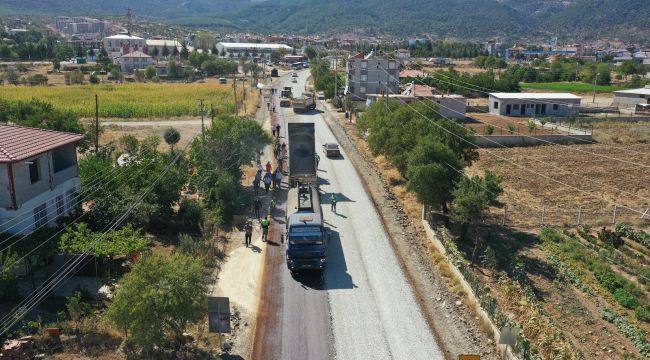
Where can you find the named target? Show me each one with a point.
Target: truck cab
(306, 236)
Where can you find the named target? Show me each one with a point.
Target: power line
(21, 310)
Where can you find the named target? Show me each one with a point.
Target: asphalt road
(363, 307)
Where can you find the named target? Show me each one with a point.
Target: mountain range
(627, 20)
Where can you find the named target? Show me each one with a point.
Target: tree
(161, 296)
(488, 129)
(218, 158)
(56, 64)
(432, 172)
(155, 52)
(204, 40)
(172, 137)
(39, 114)
(185, 52)
(139, 75)
(175, 51)
(472, 197)
(150, 72)
(173, 70)
(165, 51)
(532, 126)
(310, 52)
(103, 245)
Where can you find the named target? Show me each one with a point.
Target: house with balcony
(371, 75)
(39, 179)
(136, 60)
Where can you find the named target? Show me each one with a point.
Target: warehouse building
(630, 98)
(534, 104)
(250, 49)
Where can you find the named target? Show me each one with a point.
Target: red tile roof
(19, 143)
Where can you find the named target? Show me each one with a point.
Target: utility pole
(336, 75)
(595, 78)
(202, 111)
(96, 123)
(234, 91)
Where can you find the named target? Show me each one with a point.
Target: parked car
(294, 80)
(320, 95)
(331, 150)
(223, 80)
(294, 75)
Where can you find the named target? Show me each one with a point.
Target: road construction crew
(265, 228)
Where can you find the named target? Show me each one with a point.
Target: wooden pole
(96, 123)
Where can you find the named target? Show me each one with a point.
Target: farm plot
(139, 100)
(567, 185)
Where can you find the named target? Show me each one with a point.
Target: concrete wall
(451, 107)
(496, 141)
(371, 77)
(532, 107)
(25, 190)
(630, 100)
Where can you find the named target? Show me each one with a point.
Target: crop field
(570, 87)
(565, 184)
(581, 281)
(130, 100)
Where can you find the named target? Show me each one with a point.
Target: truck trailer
(302, 153)
(303, 103)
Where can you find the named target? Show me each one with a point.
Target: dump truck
(306, 236)
(303, 103)
(302, 153)
(285, 96)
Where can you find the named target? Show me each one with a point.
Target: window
(63, 158)
(364, 77)
(364, 64)
(60, 205)
(496, 104)
(362, 89)
(71, 198)
(40, 215)
(515, 107)
(392, 65)
(556, 106)
(34, 171)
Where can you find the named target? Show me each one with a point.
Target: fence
(518, 216)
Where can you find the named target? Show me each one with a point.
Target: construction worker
(265, 228)
(257, 206)
(333, 202)
(272, 205)
(317, 159)
(248, 232)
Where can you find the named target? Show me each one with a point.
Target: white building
(449, 106)
(136, 60)
(120, 44)
(371, 75)
(160, 44)
(630, 98)
(39, 180)
(403, 54)
(534, 104)
(252, 49)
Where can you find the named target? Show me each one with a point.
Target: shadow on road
(256, 249)
(336, 272)
(325, 198)
(230, 357)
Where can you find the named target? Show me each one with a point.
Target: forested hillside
(463, 19)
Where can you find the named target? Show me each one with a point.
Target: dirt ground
(501, 123)
(593, 183)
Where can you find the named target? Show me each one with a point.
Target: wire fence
(523, 217)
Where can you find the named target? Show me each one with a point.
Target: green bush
(609, 237)
(643, 313)
(623, 297)
(190, 213)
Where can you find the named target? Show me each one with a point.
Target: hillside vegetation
(469, 19)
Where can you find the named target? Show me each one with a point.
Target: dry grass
(112, 133)
(622, 132)
(545, 179)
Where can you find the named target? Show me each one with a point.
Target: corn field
(129, 100)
